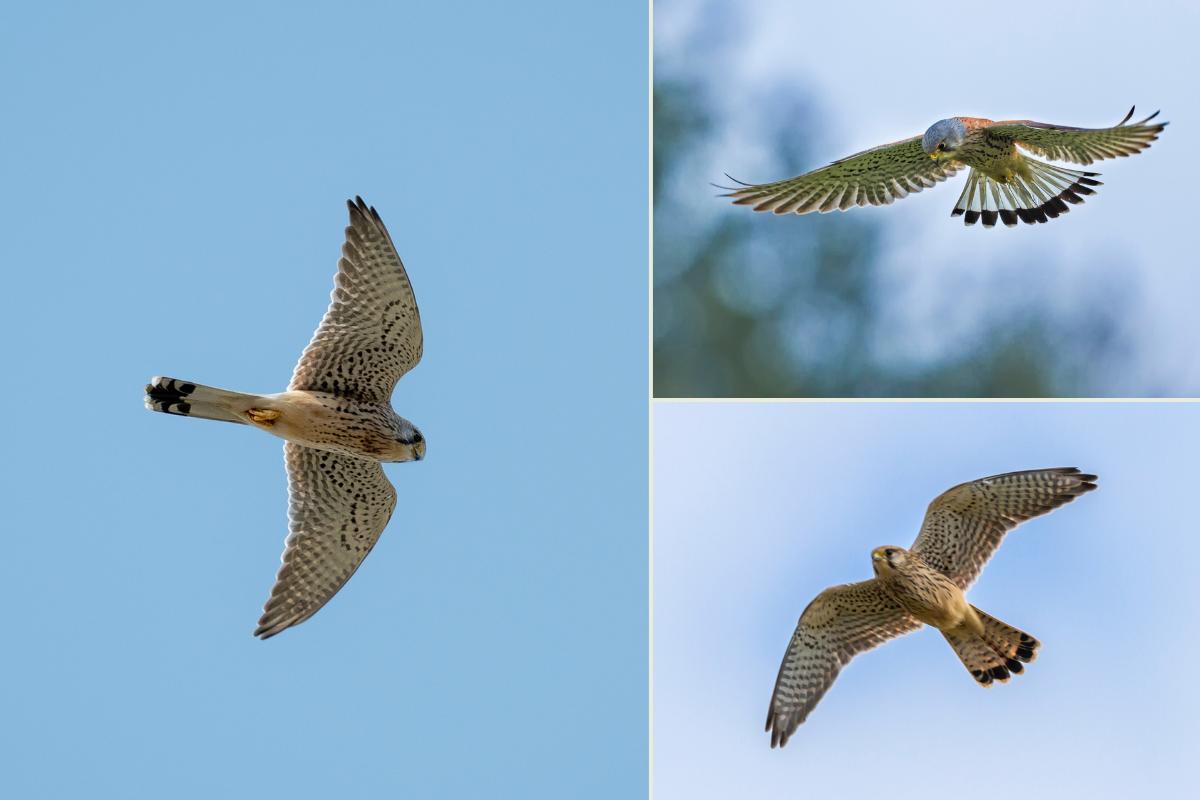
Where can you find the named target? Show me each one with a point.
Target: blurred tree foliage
(747, 309)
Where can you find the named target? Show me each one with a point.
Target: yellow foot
(263, 416)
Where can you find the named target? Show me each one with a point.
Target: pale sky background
(175, 178)
(879, 72)
(759, 507)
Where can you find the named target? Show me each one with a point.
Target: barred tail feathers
(997, 654)
(1007, 640)
(1039, 196)
(173, 396)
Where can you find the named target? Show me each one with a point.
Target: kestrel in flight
(924, 585)
(1004, 183)
(336, 418)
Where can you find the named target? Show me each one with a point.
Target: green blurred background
(897, 301)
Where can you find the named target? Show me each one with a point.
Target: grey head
(409, 444)
(943, 136)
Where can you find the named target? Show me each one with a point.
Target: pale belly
(323, 422)
(951, 614)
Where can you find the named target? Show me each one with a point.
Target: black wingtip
(359, 207)
(730, 191)
(1087, 482)
(265, 632)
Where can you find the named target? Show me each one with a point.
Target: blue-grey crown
(952, 131)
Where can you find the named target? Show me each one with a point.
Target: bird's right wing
(840, 623)
(337, 507)
(964, 525)
(876, 176)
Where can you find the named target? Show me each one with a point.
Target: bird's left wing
(963, 526)
(839, 623)
(371, 334)
(877, 176)
(1079, 145)
(337, 507)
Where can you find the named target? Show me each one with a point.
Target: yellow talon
(263, 416)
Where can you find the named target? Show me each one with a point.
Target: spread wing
(337, 507)
(371, 334)
(1080, 145)
(840, 623)
(876, 176)
(964, 525)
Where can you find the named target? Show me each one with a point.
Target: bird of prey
(1005, 183)
(923, 585)
(336, 419)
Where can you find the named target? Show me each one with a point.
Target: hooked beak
(418, 450)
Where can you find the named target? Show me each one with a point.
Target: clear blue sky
(175, 182)
(879, 72)
(760, 507)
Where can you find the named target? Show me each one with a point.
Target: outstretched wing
(876, 176)
(1080, 145)
(841, 622)
(337, 507)
(371, 334)
(964, 526)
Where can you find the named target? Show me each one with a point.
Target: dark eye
(941, 145)
(889, 552)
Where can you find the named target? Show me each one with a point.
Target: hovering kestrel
(924, 585)
(337, 420)
(1004, 183)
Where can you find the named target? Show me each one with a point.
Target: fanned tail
(996, 655)
(1039, 196)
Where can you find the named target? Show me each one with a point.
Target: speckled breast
(927, 594)
(330, 422)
